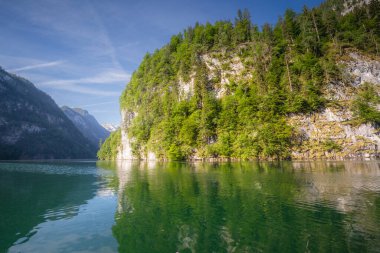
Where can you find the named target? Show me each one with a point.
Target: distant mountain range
(110, 127)
(32, 126)
(87, 124)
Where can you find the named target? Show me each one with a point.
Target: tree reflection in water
(248, 207)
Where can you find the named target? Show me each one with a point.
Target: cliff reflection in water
(352, 188)
(248, 207)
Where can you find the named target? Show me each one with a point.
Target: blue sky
(82, 53)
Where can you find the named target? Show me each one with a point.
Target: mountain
(110, 127)
(32, 126)
(87, 124)
(306, 87)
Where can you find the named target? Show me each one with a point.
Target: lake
(87, 206)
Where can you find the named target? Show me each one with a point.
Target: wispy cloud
(37, 66)
(78, 32)
(111, 76)
(81, 85)
(103, 103)
(100, 111)
(85, 90)
(75, 22)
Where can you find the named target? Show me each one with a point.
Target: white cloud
(37, 66)
(100, 111)
(93, 60)
(78, 85)
(74, 23)
(84, 90)
(103, 103)
(111, 76)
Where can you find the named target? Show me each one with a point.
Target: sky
(83, 53)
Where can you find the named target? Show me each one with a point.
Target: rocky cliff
(306, 88)
(331, 133)
(327, 134)
(32, 126)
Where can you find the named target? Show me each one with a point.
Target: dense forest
(287, 66)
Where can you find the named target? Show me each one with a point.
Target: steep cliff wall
(305, 88)
(332, 133)
(125, 149)
(328, 134)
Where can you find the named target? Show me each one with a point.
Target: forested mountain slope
(32, 126)
(306, 87)
(86, 124)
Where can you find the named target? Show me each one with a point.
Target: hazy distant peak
(81, 111)
(86, 123)
(76, 109)
(110, 127)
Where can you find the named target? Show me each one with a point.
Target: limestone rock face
(222, 67)
(350, 5)
(125, 150)
(330, 133)
(363, 70)
(316, 132)
(186, 89)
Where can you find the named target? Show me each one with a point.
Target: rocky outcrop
(362, 69)
(125, 149)
(222, 70)
(331, 133)
(328, 134)
(350, 5)
(186, 89)
(219, 66)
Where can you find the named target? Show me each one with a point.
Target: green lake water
(190, 207)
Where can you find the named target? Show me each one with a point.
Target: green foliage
(331, 145)
(108, 150)
(286, 65)
(364, 105)
(274, 138)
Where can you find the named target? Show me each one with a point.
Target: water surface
(182, 207)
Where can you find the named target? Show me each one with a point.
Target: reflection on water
(352, 188)
(45, 207)
(190, 207)
(248, 207)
